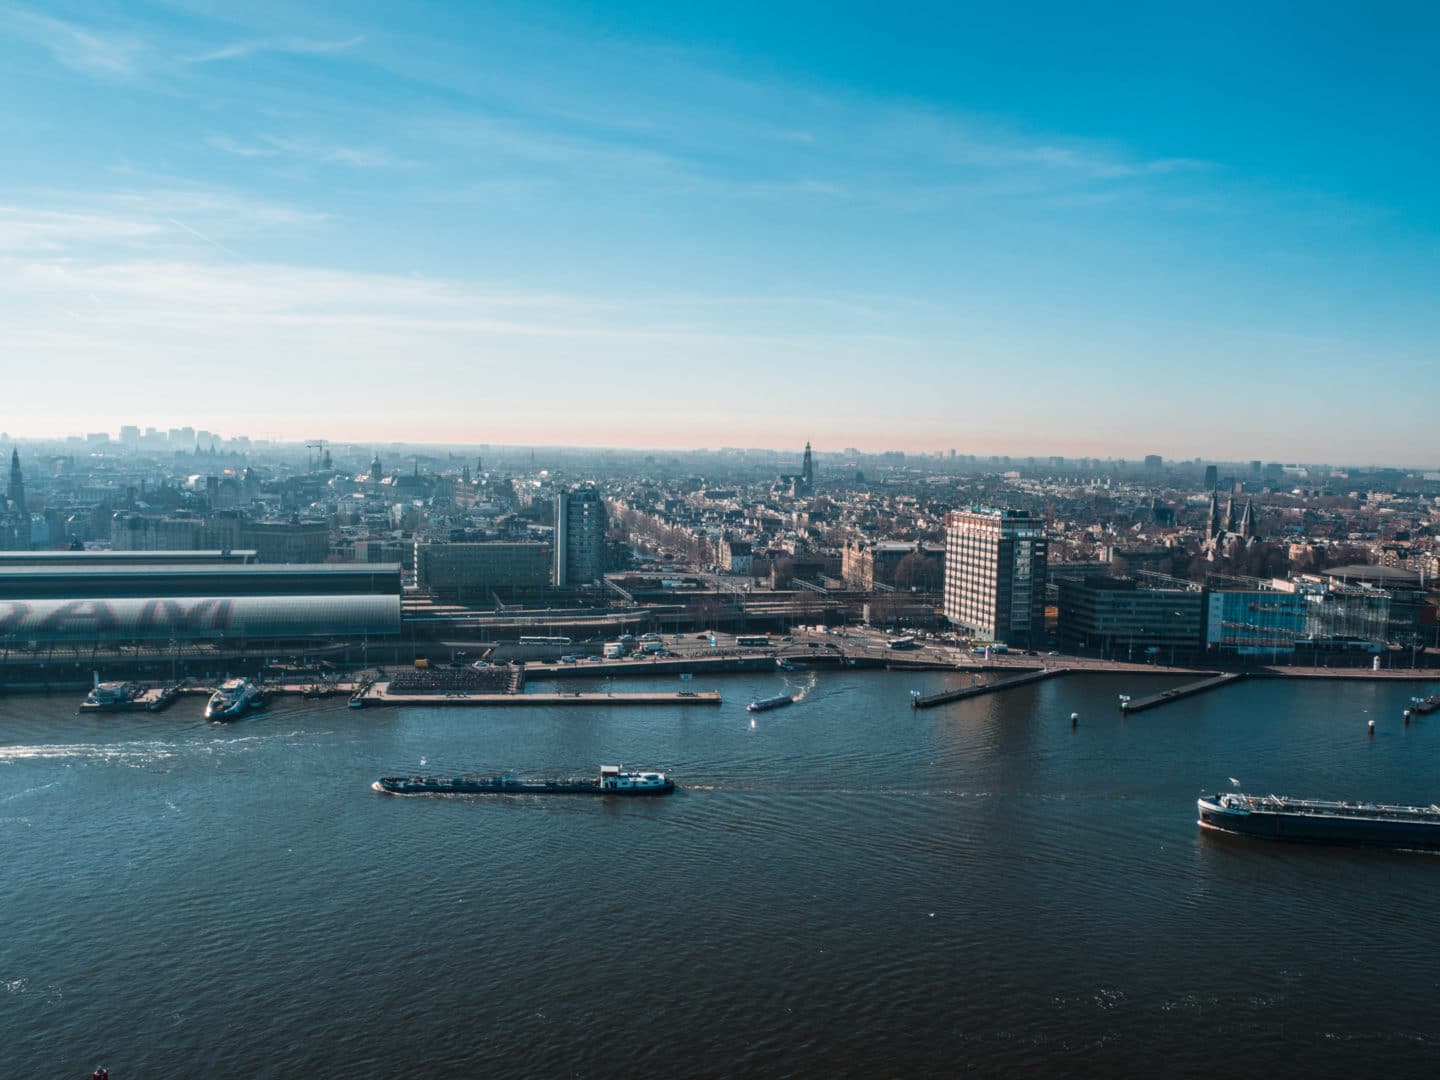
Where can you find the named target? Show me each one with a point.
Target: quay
(1178, 693)
(944, 697)
(378, 695)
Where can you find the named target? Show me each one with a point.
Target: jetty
(378, 694)
(944, 697)
(1179, 693)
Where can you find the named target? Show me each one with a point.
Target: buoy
(1407, 716)
(1074, 718)
(1372, 727)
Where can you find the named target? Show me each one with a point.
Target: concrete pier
(944, 697)
(377, 696)
(1179, 692)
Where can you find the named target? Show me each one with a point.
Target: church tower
(1213, 527)
(807, 471)
(15, 490)
(1247, 521)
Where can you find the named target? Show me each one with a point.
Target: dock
(945, 697)
(1178, 693)
(378, 695)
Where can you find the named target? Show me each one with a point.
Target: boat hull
(1266, 823)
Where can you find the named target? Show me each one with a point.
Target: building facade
(580, 523)
(995, 573)
(476, 572)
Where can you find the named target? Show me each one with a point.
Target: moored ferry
(1319, 821)
(112, 697)
(613, 780)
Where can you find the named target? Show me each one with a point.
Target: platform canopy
(198, 618)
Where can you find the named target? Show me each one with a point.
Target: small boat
(783, 664)
(1319, 821)
(613, 780)
(779, 701)
(234, 698)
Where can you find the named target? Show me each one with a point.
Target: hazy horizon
(1091, 233)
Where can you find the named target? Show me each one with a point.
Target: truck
(614, 650)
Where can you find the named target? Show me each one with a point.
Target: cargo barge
(1318, 821)
(779, 701)
(613, 780)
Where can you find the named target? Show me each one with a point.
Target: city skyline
(1100, 234)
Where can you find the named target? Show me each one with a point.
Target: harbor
(818, 842)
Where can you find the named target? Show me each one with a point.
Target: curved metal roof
(193, 618)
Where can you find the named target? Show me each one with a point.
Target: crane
(322, 457)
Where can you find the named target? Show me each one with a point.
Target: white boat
(111, 696)
(235, 696)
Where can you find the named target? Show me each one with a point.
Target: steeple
(1230, 522)
(1213, 527)
(15, 490)
(1247, 520)
(807, 470)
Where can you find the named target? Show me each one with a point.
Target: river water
(844, 887)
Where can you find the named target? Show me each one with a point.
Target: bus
(544, 641)
(754, 641)
(904, 643)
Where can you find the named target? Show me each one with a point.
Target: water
(843, 887)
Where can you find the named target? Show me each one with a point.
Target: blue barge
(1318, 821)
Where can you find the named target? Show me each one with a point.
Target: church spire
(1247, 520)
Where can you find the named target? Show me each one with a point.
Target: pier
(378, 695)
(1177, 693)
(944, 697)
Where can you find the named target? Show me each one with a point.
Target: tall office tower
(1212, 477)
(995, 564)
(579, 537)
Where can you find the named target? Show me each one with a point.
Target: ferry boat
(1318, 821)
(234, 698)
(613, 780)
(779, 701)
(112, 697)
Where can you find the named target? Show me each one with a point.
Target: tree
(919, 572)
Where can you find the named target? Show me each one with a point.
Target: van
(422, 663)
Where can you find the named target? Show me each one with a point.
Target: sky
(1092, 230)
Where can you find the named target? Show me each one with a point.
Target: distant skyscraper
(1212, 477)
(995, 564)
(1153, 462)
(579, 537)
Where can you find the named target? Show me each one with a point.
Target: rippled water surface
(842, 887)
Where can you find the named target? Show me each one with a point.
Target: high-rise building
(579, 537)
(1212, 477)
(995, 562)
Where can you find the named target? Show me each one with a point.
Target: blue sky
(1058, 229)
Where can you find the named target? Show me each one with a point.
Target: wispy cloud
(331, 153)
(297, 45)
(98, 53)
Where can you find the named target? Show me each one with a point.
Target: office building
(995, 563)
